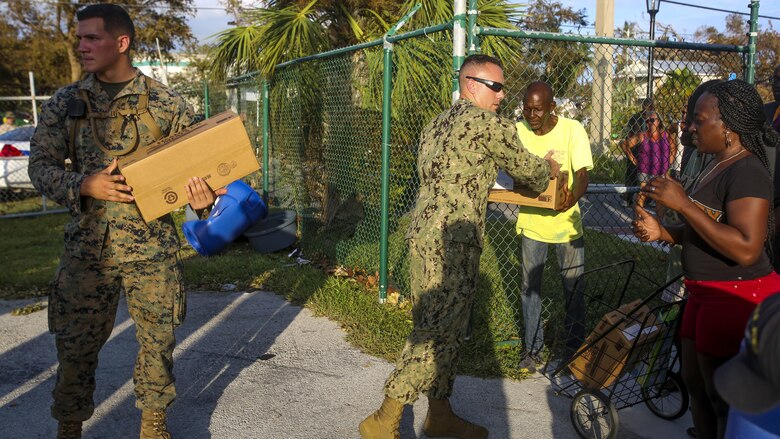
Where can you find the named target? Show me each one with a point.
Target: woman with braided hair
(725, 235)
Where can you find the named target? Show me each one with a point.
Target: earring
(728, 139)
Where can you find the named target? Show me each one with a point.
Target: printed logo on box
(171, 197)
(223, 168)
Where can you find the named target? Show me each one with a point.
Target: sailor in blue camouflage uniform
(108, 246)
(460, 151)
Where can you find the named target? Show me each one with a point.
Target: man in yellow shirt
(541, 131)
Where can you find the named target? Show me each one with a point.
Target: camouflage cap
(9, 114)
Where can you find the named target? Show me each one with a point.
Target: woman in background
(651, 153)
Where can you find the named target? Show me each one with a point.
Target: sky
(211, 18)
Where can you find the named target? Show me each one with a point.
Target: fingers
(112, 189)
(199, 194)
(111, 168)
(555, 167)
(118, 196)
(108, 187)
(117, 183)
(199, 189)
(194, 190)
(640, 212)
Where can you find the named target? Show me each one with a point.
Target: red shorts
(717, 311)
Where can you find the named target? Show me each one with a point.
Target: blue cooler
(234, 212)
(743, 425)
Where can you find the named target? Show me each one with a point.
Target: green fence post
(266, 124)
(206, 99)
(472, 40)
(750, 69)
(387, 90)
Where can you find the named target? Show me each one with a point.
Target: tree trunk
(75, 64)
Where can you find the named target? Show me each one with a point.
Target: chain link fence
(18, 197)
(325, 135)
(605, 87)
(325, 146)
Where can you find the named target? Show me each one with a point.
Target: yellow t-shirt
(572, 150)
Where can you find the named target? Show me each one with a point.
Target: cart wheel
(593, 415)
(668, 400)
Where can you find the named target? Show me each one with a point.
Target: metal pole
(206, 104)
(44, 201)
(750, 70)
(650, 58)
(387, 90)
(458, 44)
(384, 229)
(600, 127)
(32, 98)
(266, 124)
(472, 41)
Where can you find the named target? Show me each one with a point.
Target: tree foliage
(767, 47)
(284, 30)
(671, 96)
(558, 63)
(47, 31)
(287, 29)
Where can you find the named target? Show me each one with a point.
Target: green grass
(31, 249)
(14, 201)
(33, 245)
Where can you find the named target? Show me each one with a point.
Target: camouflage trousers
(443, 283)
(82, 309)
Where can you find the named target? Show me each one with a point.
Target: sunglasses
(493, 85)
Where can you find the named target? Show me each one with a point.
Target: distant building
(637, 71)
(154, 69)
(180, 67)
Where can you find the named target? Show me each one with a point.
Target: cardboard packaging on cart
(216, 149)
(553, 197)
(602, 362)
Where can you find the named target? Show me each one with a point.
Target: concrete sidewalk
(250, 365)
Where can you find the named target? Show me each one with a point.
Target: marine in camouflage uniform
(108, 246)
(460, 151)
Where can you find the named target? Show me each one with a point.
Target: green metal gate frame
(467, 21)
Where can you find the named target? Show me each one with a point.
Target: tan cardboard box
(603, 362)
(551, 198)
(217, 149)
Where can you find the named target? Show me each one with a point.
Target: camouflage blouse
(96, 222)
(460, 153)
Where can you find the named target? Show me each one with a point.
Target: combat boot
(153, 425)
(69, 430)
(383, 423)
(442, 422)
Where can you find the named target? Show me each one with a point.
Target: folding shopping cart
(620, 353)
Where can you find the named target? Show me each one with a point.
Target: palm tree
(286, 30)
(328, 113)
(290, 29)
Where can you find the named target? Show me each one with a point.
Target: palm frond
(235, 51)
(275, 36)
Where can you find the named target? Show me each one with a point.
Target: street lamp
(652, 9)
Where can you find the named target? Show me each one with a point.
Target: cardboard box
(601, 363)
(217, 149)
(551, 198)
